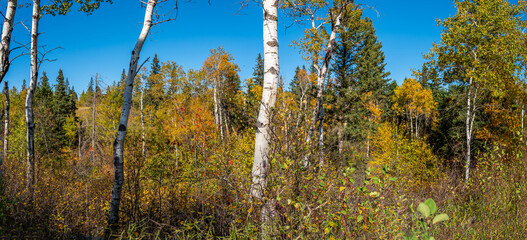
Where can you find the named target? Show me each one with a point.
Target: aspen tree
(260, 169)
(7, 29)
(118, 145)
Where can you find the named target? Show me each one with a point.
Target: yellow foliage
(411, 159)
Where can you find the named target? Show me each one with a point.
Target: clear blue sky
(101, 43)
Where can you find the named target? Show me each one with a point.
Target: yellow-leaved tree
(415, 105)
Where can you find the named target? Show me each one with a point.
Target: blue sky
(101, 43)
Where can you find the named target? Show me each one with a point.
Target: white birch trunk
(217, 108)
(6, 120)
(260, 169)
(321, 80)
(7, 29)
(321, 139)
(30, 123)
(118, 145)
(471, 114)
(522, 113)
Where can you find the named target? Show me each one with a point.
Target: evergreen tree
(360, 76)
(24, 84)
(90, 86)
(46, 141)
(156, 67)
(258, 71)
(43, 92)
(123, 79)
(61, 108)
(300, 86)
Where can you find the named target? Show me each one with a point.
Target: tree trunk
(321, 139)
(217, 108)
(471, 114)
(118, 145)
(94, 104)
(261, 162)
(522, 113)
(7, 29)
(30, 123)
(321, 79)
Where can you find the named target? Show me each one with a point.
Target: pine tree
(258, 71)
(359, 71)
(45, 138)
(90, 86)
(61, 105)
(156, 67)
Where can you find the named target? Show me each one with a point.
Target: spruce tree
(61, 108)
(258, 71)
(90, 86)
(156, 67)
(359, 70)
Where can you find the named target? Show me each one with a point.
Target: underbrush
(212, 201)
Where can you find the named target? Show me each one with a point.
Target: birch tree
(260, 169)
(7, 29)
(318, 47)
(480, 48)
(61, 7)
(118, 145)
(30, 123)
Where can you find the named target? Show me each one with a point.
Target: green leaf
(432, 205)
(424, 210)
(439, 218)
(360, 218)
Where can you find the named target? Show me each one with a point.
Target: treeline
(351, 153)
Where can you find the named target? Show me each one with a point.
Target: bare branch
(167, 16)
(43, 55)
(146, 60)
(28, 29)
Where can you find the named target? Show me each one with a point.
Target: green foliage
(360, 80)
(62, 7)
(428, 219)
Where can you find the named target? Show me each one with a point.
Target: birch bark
(469, 122)
(322, 72)
(30, 123)
(7, 29)
(118, 145)
(261, 162)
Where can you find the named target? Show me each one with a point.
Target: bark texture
(322, 72)
(261, 162)
(30, 122)
(469, 122)
(7, 29)
(118, 145)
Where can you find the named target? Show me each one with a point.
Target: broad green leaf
(424, 210)
(432, 205)
(360, 218)
(439, 218)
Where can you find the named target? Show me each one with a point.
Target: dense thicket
(190, 142)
